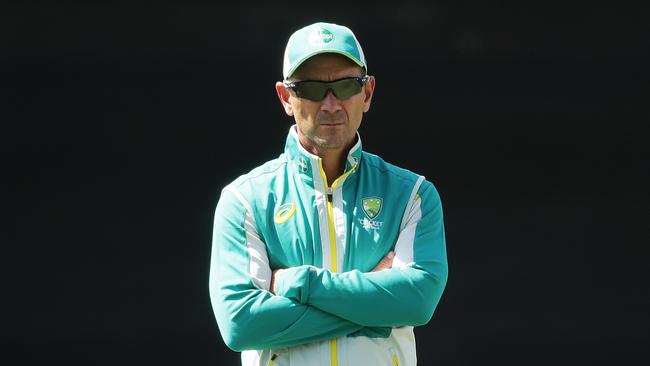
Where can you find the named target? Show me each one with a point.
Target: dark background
(121, 123)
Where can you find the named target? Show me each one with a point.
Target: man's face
(331, 123)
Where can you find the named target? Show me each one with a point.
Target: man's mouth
(331, 123)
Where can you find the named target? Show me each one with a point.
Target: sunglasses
(316, 91)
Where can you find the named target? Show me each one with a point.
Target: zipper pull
(272, 361)
(330, 194)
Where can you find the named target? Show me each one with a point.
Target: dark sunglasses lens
(344, 89)
(314, 91)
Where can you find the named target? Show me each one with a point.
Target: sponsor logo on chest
(284, 212)
(301, 162)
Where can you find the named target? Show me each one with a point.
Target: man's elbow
(430, 297)
(236, 344)
(235, 330)
(237, 339)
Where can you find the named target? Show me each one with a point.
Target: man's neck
(333, 159)
(333, 164)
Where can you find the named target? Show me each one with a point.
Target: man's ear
(283, 95)
(368, 90)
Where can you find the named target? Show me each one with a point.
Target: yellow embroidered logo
(285, 212)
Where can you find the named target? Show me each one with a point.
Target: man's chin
(331, 143)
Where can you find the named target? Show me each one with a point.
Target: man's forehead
(326, 63)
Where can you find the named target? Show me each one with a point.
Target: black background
(121, 123)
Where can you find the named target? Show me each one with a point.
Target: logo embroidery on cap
(284, 213)
(319, 36)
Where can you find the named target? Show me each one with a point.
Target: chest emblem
(284, 212)
(372, 206)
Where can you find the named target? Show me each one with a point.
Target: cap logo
(320, 36)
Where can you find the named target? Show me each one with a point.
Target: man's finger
(385, 263)
(272, 284)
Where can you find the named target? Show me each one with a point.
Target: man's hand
(272, 285)
(384, 263)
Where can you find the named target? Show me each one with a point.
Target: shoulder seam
(247, 178)
(239, 197)
(402, 176)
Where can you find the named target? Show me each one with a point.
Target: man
(326, 255)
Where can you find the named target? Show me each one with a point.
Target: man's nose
(331, 103)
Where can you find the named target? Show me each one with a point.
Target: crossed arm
(304, 304)
(384, 263)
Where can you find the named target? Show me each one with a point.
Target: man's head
(326, 88)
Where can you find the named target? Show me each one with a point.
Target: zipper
(394, 357)
(334, 358)
(330, 211)
(395, 362)
(273, 357)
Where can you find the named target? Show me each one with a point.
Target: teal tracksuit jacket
(328, 308)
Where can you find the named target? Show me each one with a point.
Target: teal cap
(320, 38)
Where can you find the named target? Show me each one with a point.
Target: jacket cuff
(293, 283)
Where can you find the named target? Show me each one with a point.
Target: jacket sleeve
(406, 294)
(248, 316)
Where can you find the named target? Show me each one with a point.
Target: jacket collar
(308, 164)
